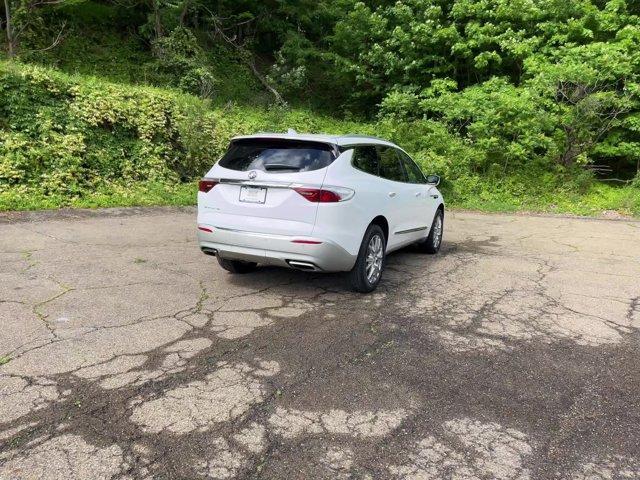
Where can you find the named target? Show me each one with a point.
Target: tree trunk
(572, 148)
(264, 82)
(246, 58)
(184, 13)
(156, 18)
(10, 39)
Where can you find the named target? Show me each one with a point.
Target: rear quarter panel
(346, 222)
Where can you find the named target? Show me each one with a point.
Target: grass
(597, 199)
(142, 194)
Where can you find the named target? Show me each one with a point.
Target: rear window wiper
(280, 166)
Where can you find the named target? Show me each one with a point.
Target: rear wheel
(366, 273)
(432, 243)
(237, 266)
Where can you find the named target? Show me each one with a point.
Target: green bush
(181, 57)
(78, 141)
(68, 136)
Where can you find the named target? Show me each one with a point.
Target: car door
(399, 194)
(423, 203)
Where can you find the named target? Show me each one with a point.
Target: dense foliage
(560, 78)
(517, 104)
(67, 135)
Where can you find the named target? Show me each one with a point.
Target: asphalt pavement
(128, 354)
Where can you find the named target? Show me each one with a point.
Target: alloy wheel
(437, 231)
(375, 257)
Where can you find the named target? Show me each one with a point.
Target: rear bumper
(276, 250)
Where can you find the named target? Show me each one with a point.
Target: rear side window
(390, 166)
(413, 171)
(365, 158)
(277, 156)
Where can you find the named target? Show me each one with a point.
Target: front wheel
(237, 266)
(432, 243)
(366, 273)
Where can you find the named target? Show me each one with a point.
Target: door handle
(392, 194)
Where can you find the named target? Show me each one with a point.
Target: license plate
(253, 194)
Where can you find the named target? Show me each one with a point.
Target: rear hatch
(253, 186)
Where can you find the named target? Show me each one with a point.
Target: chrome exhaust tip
(306, 266)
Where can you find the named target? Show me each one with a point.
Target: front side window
(277, 156)
(390, 166)
(365, 158)
(413, 171)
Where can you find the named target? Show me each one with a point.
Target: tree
(9, 29)
(22, 17)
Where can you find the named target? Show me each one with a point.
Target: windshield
(277, 156)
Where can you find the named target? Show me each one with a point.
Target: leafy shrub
(198, 81)
(180, 55)
(69, 136)
(66, 136)
(178, 51)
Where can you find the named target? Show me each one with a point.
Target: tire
(237, 266)
(358, 278)
(432, 243)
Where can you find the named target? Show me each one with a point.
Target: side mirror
(433, 180)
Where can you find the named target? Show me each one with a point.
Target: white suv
(317, 203)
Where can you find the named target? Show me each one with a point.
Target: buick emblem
(253, 174)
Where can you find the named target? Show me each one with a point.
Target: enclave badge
(253, 174)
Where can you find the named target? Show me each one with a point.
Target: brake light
(321, 195)
(205, 185)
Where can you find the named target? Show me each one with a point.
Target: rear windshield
(277, 156)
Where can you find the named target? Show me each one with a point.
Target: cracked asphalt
(127, 354)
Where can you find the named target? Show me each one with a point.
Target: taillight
(323, 195)
(205, 185)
